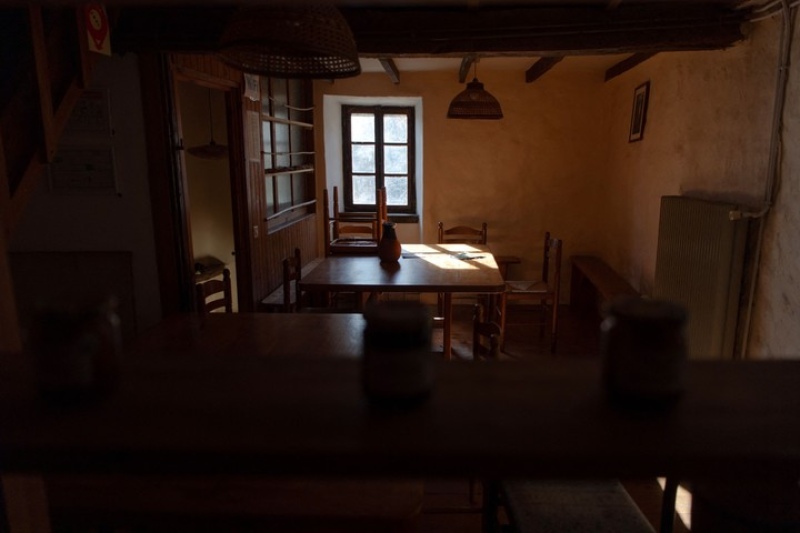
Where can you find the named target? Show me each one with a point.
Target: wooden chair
(544, 291)
(486, 335)
(459, 235)
(353, 233)
(292, 273)
(294, 301)
(214, 287)
(462, 234)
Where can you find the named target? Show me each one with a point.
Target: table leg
(448, 325)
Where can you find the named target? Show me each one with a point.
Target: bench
(595, 283)
(273, 303)
(573, 505)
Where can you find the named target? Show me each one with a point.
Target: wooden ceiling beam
(450, 32)
(539, 68)
(544, 31)
(626, 64)
(391, 69)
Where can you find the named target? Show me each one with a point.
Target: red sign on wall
(97, 28)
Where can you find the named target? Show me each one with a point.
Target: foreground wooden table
(248, 395)
(434, 268)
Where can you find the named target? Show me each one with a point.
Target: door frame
(168, 181)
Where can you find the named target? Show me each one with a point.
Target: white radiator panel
(699, 263)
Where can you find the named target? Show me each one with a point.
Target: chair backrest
(551, 267)
(356, 230)
(383, 209)
(211, 288)
(546, 257)
(551, 259)
(462, 234)
(485, 335)
(341, 227)
(292, 272)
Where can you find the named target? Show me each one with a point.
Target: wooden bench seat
(273, 303)
(576, 505)
(594, 282)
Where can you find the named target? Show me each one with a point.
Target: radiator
(699, 263)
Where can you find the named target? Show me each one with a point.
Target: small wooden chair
(459, 235)
(353, 233)
(545, 291)
(294, 301)
(292, 273)
(462, 234)
(214, 287)
(486, 335)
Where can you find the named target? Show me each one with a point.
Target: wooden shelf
(288, 170)
(269, 118)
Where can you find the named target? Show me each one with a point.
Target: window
(378, 151)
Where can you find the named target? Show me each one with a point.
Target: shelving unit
(287, 126)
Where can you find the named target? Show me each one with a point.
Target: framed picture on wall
(639, 113)
(83, 169)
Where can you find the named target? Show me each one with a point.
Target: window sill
(404, 218)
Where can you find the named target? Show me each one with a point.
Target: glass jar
(643, 344)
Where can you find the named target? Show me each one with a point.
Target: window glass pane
(298, 99)
(271, 207)
(363, 158)
(282, 148)
(266, 135)
(364, 190)
(395, 128)
(362, 127)
(396, 190)
(300, 189)
(296, 137)
(285, 191)
(279, 98)
(395, 159)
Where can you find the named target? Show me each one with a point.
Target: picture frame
(83, 169)
(91, 118)
(639, 112)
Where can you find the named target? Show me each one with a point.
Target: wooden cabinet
(288, 150)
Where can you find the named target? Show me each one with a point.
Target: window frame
(347, 163)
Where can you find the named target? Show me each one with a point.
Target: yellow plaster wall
(707, 133)
(775, 332)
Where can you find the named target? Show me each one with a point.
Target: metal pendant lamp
(475, 102)
(301, 39)
(212, 150)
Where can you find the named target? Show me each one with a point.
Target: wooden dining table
(281, 394)
(426, 268)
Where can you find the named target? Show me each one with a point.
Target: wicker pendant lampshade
(290, 40)
(475, 102)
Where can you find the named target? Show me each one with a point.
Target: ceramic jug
(389, 247)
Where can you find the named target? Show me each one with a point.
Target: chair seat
(358, 246)
(595, 506)
(532, 287)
